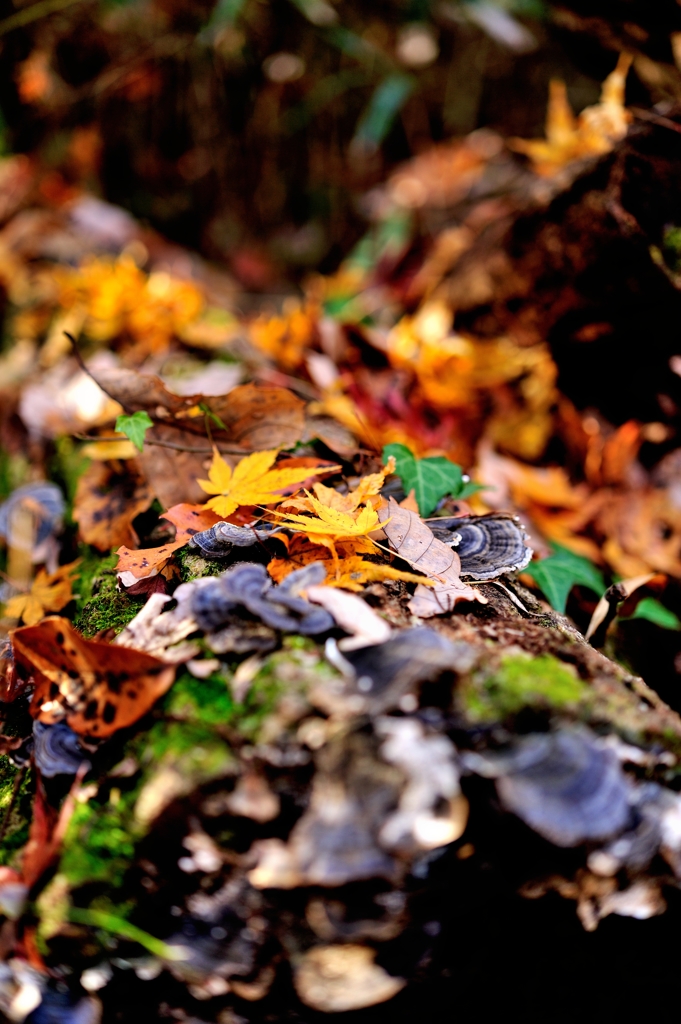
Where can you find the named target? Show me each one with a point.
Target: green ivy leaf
(650, 609)
(558, 574)
(430, 479)
(134, 426)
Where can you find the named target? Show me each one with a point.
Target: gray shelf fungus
(218, 541)
(56, 749)
(248, 586)
(488, 546)
(565, 785)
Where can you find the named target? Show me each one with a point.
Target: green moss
(193, 566)
(100, 841)
(286, 676)
(207, 701)
(100, 605)
(184, 748)
(194, 750)
(522, 681)
(15, 806)
(13, 472)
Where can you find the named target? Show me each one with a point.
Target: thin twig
(81, 362)
(658, 119)
(168, 444)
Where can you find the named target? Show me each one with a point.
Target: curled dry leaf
(108, 499)
(416, 544)
(96, 688)
(614, 595)
(353, 615)
(137, 392)
(187, 520)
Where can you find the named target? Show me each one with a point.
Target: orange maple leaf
(187, 520)
(350, 572)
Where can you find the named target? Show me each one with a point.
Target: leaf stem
(126, 930)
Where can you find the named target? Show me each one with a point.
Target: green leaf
(134, 426)
(382, 109)
(319, 12)
(225, 13)
(430, 479)
(650, 609)
(119, 926)
(560, 572)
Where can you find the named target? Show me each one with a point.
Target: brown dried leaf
(108, 497)
(259, 416)
(172, 474)
(643, 532)
(415, 543)
(333, 434)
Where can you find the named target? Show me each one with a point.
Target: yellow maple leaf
(368, 487)
(594, 132)
(332, 521)
(47, 594)
(252, 481)
(332, 525)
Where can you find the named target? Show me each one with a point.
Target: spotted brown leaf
(95, 687)
(187, 520)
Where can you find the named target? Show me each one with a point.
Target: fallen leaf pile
(318, 564)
